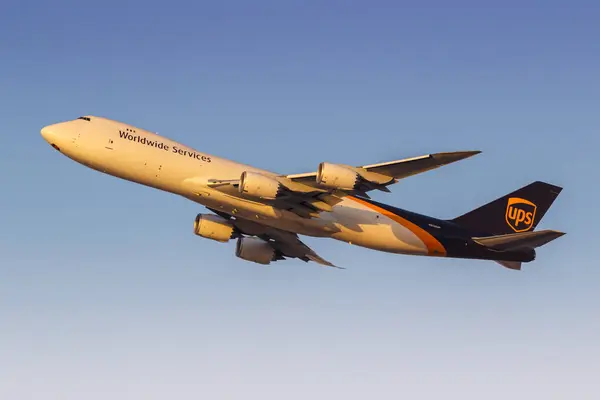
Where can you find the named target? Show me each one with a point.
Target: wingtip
(461, 155)
(322, 261)
(453, 156)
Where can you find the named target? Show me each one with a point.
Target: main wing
(286, 244)
(289, 245)
(371, 177)
(392, 171)
(305, 196)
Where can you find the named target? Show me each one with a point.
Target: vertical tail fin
(519, 211)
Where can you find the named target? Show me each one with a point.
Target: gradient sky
(106, 293)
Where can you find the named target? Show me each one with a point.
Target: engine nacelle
(260, 186)
(213, 227)
(255, 250)
(335, 176)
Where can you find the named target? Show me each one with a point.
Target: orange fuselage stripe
(434, 247)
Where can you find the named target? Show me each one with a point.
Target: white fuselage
(140, 156)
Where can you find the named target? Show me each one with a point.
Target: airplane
(265, 212)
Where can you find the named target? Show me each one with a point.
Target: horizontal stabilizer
(510, 264)
(514, 241)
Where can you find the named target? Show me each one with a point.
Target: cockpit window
(86, 118)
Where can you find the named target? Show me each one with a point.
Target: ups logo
(520, 214)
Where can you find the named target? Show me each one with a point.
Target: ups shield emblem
(520, 214)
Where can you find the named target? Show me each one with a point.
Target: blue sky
(105, 291)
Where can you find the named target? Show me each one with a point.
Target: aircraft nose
(47, 133)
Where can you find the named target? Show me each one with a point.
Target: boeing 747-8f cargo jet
(266, 211)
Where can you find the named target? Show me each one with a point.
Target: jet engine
(255, 250)
(260, 186)
(213, 227)
(335, 176)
